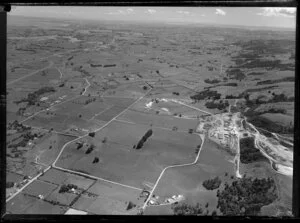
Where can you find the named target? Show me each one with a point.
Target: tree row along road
(173, 166)
(76, 172)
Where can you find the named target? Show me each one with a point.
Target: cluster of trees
(262, 122)
(130, 205)
(285, 79)
(65, 188)
(267, 64)
(9, 184)
(186, 209)
(206, 94)
(230, 84)
(96, 160)
(246, 196)
(212, 184)
(90, 149)
(109, 65)
(96, 65)
(89, 100)
(92, 134)
(248, 152)
(79, 145)
(276, 98)
(26, 137)
(221, 105)
(214, 81)
(236, 74)
(18, 126)
(176, 93)
(232, 97)
(32, 98)
(145, 88)
(143, 139)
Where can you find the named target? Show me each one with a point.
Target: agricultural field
(188, 180)
(120, 162)
(131, 118)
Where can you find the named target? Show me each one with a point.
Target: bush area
(186, 209)
(15, 125)
(65, 188)
(276, 98)
(248, 152)
(235, 74)
(144, 139)
(9, 184)
(214, 81)
(206, 94)
(90, 149)
(26, 137)
(262, 122)
(212, 184)
(246, 196)
(268, 64)
(32, 98)
(130, 205)
(221, 105)
(285, 79)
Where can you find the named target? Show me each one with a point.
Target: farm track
(32, 73)
(173, 166)
(48, 108)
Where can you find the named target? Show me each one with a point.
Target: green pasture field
(65, 116)
(158, 210)
(54, 176)
(61, 198)
(188, 180)
(17, 73)
(13, 177)
(167, 92)
(44, 77)
(116, 192)
(84, 202)
(155, 120)
(44, 207)
(173, 108)
(42, 149)
(19, 203)
(38, 187)
(119, 162)
(131, 90)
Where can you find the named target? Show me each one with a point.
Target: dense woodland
(212, 184)
(248, 152)
(246, 196)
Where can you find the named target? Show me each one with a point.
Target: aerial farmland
(128, 118)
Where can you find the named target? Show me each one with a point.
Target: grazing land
(112, 118)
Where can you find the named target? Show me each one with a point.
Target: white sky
(248, 16)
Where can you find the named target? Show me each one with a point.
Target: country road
(24, 120)
(28, 75)
(89, 84)
(75, 172)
